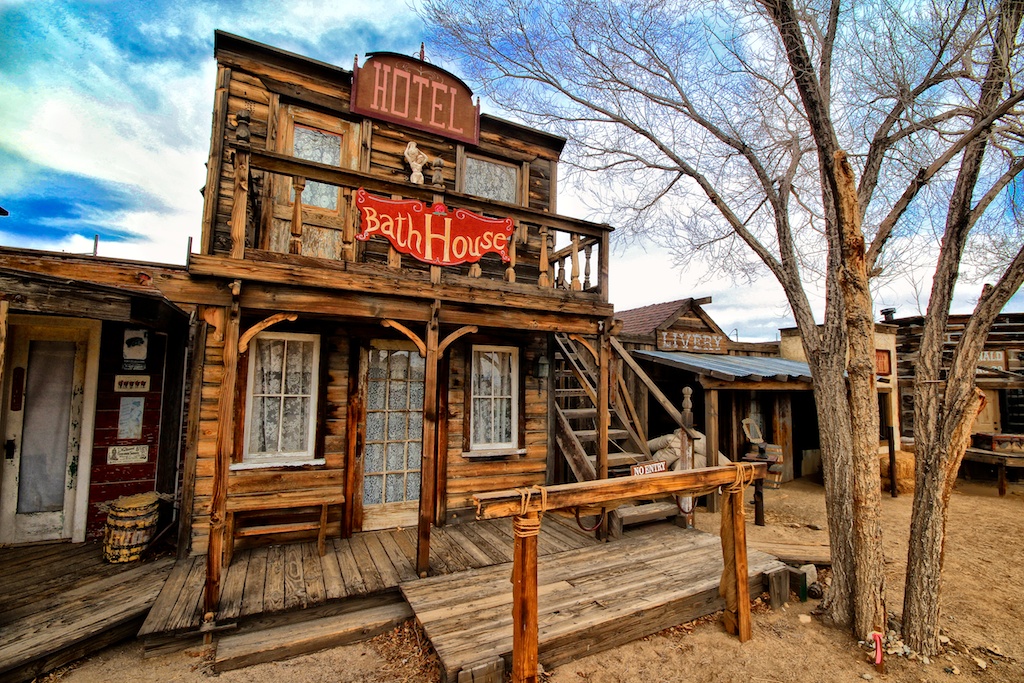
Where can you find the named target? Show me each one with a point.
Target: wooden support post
(524, 598)
(5, 309)
(734, 587)
(543, 280)
(240, 202)
(428, 466)
(295, 241)
(711, 445)
(575, 275)
(226, 415)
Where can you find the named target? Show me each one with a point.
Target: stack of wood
(904, 471)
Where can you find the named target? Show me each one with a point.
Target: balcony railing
(578, 266)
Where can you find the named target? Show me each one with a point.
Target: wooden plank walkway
(273, 579)
(61, 601)
(591, 599)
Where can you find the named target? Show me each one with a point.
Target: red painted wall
(110, 481)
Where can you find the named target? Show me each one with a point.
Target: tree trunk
(939, 452)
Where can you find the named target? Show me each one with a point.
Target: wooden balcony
(556, 264)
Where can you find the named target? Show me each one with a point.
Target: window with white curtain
(494, 420)
(281, 398)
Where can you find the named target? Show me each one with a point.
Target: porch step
(641, 514)
(619, 459)
(590, 435)
(291, 640)
(579, 413)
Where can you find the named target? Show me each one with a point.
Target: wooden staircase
(576, 435)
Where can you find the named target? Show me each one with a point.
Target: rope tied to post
(744, 478)
(522, 525)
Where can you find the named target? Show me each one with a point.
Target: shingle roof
(645, 320)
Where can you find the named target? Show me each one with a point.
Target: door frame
(79, 503)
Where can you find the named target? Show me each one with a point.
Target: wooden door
(43, 429)
(326, 209)
(988, 421)
(393, 378)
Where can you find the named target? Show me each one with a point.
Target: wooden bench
(279, 500)
(1000, 460)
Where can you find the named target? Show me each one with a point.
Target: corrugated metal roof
(731, 368)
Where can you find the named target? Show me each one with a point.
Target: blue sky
(105, 126)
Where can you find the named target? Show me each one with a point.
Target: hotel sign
(434, 235)
(413, 93)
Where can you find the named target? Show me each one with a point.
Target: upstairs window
(492, 180)
(495, 398)
(281, 398)
(324, 147)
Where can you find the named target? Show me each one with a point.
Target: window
(281, 400)
(492, 180)
(495, 398)
(323, 147)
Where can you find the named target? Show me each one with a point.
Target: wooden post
(604, 357)
(524, 598)
(543, 280)
(295, 241)
(685, 444)
(5, 309)
(226, 415)
(428, 465)
(734, 586)
(892, 458)
(575, 275)
(586, 265)
(711, 447)
(510, 272)
(240, 202)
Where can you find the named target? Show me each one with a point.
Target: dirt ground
(981, 615)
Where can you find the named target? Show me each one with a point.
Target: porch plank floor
(61, 601)
(279, 578)
(590, 599)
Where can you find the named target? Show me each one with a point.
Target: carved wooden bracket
(243, 341)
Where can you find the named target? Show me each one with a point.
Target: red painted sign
(433, 235)
(412, 93)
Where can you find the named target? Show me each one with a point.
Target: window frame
(490, 448)
(309, 456)
(293, 115)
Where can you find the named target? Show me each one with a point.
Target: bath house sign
(435, 234)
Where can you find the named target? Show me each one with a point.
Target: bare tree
(734, 133)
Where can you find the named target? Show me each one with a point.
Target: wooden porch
(63, 601)
(280, 578)
(590, 599)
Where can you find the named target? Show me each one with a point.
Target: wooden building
(768, 382)
(91, 370)
(1000, 371)
(387, 267)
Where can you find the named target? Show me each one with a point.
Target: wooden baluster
(394, 256)
(576, 285)
(560, 279)
(295, 243)
(543, 280)
(510, 272)
(348, 234)
(586, 266)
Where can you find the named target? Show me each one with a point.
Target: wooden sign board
(993, 359)
(883, 362)
(413, 93)
(435, 235)
(695, 342)
(648, 467)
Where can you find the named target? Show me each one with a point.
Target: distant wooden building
(1000, 371)
(92, 378)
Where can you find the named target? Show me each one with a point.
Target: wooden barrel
(131, 523)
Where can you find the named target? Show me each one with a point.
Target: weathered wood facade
(1000, 370)
(91, 364)
(405, 371)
